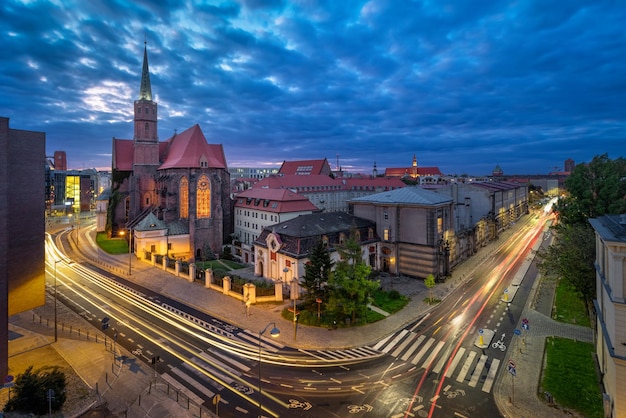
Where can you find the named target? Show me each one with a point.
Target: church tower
(145, 146)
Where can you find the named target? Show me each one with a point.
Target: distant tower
(497, 172)
(60, 160)
(414, 169)
(375, 170)
(569, 165)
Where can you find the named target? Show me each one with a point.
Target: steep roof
(410, 195)
(305, 167)
(274, 200)
(189, 148)
(278, 181)
(150, 223)
(317, 224)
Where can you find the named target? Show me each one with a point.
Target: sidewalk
(133, 382)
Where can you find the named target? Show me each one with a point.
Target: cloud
(464, 85)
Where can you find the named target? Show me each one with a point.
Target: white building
(610, 307)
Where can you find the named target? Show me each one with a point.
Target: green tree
(31, 391)
(595, 189)
(571, 258)
(350, 287)
(430, 283)
(316, 273)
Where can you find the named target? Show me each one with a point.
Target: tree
(430, 283)
(350, 287)
(571, 258)
(595, 189)
(316, 272)
(31, 391)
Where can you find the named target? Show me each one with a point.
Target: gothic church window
(203, 197)
(184, 198)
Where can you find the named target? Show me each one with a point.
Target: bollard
(70, 330)
(96, 388)
(140, 400)
(106, 376)
(33, 317)
(79, 332)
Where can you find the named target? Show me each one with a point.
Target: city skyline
(463, 86)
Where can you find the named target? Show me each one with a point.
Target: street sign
(525, 326)
(512, 368)
(481, 332)
(517, 331)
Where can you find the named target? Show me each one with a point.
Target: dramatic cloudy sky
(465, 85)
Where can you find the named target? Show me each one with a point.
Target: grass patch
(389, 301)
(431, 301)
(570, 306)
(570, 376)
(112, 245)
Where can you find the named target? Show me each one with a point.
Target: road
(440, 365)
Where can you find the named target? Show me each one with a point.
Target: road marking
(419, 355)
(478, 371)
(466, 366)
(491, 376)
(410, 351)
(432, 355)
(402, 346)
(395, 341)
(454, 363)
(191, 395)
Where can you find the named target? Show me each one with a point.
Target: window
(342, 238)
(153, 248)
(386, 235)
(325, 241)
(385, 215)
(357, 236)
(203, 198)
(147, 127)
(169, 245)
(370, 233)
(184, 198)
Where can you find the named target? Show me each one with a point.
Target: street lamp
(274, 333)
(130, 246)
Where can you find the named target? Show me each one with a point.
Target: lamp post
(130, 246)
(294, 297)
(274, 333)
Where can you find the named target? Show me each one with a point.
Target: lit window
(203, 198)
(386, 235)
(184, 198)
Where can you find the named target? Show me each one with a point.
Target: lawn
(570, 307)
(570, 376)
(112, 245)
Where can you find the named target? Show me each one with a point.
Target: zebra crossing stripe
(402, 346)
(442, 360)
(190, 394)
(411, 350)
(382, 342)
(395, 341)
(491, 376)
(455, 362)
(419, 355)
(466, 366)
(432, 355)
(478, 371)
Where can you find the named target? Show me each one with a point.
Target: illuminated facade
(22, 257)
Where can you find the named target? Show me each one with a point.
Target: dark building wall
(22, 263)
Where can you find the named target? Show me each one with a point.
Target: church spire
(145, 91)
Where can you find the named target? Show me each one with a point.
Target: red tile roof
(313, 182)
(185, 150)
(274, 200)
(305, 167)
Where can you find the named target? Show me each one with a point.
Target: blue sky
(464, 85)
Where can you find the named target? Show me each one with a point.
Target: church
(171, 197)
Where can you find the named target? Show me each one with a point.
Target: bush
(31, 391)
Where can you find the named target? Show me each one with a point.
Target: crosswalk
(467, 366)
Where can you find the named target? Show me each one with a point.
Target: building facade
(416, 228)
(183, 180)
(256, 209)
(22, 255)
(282, 250)
(610, 307)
